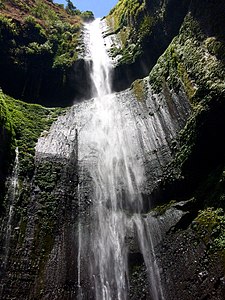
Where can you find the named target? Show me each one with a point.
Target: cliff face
(6, 139)
(182, 45)
(40, 46)
(194, 62)
(145, 29)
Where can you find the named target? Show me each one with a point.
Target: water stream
(12, 192)
(117, 171)
(122, 147)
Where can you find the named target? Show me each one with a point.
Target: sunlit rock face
(122, 143)
(80, 227)
(86, 224)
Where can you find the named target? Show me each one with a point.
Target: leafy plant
(43, 11)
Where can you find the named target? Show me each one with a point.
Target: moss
(210, 226)
(2, 4)
(190, 64)
(26, 122)
(44, 235)
(138, 88)
(47, 175)
(146, 26)
(43, 244)
(132, 23)
(5, 119)
(187, 84)
(7, 141)
(215, 47)
(126, 12)
(171, 66)
(160, 210)
(187, 63)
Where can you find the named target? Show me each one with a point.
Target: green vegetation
(60, 37)
(87, 16)
(44, 235)
(43, 11)
(216, 47)
(25, 122)
(66, 37)
(5, 120)
(138, 88)
(133, 22)
(146, 26)
(7, 141)
(127, 12)
(160, 210)
(187, 65)
(210, 226)
(193, 65)
(1, 4)
(43, 29)
(72, 10)
(47, 175)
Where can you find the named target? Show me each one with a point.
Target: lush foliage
(7, 140)
(187, 65)
(43, 29)
(133, 23)
(25, 122)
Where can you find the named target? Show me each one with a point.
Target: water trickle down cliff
(12, 194)
(84, 227)
(123, 145)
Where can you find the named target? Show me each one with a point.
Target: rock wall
(44, 244)
(182, 112)
(191, 256)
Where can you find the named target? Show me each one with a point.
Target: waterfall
(117, 171)
(12, 192)
(122, 147)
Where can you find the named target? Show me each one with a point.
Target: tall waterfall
(117, 172)
(12, 193)
(120, 146)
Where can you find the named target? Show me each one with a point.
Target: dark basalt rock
(39, 83)
(188, 270)
(43, 256)
(153, 45)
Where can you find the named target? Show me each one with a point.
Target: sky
(100, 8)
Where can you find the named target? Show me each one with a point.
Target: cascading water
(12, 196)
(117, 172)
(122, 146)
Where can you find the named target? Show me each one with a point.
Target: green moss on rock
(47, 175)
(39, 44)
(25, 122)
(160, 210)
(187, 65)
(139, 90)
(132, 23)
(210, 226)
(216, 47)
